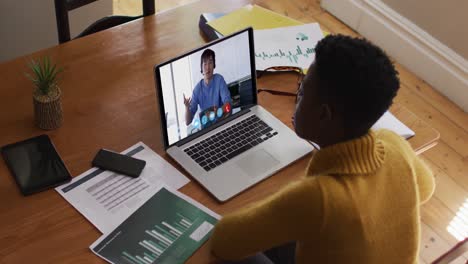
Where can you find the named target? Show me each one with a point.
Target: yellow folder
(251, 15)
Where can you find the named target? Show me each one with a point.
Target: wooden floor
(448, 160)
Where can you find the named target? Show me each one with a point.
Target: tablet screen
(35, 164)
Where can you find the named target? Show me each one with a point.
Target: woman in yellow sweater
(360, 197)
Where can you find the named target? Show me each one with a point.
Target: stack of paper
(144, 219)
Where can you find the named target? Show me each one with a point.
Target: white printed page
(390, 122)
(106, 198)
(286, 46)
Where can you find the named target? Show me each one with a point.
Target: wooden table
(109, 101)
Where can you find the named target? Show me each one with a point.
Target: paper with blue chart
(107, 198)
(286, 46)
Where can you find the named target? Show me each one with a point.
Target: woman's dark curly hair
(357, 76)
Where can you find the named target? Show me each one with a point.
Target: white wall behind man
(232, 59)
(27, 26)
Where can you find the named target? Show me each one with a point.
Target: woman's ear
(325, 113)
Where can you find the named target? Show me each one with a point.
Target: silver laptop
(211, 122)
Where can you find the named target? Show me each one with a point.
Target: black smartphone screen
(120, 163)
(35, 164)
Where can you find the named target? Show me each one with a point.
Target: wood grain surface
(109, 101)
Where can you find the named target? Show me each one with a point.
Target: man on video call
(211, 92)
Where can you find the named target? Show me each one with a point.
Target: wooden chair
(455, 252)
(62, 7)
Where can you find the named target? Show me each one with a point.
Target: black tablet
(35, 164)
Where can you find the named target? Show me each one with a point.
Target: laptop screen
(200, 89)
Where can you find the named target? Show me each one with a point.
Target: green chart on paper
(166, 229)
(292, 55)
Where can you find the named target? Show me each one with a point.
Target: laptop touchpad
(257, 162)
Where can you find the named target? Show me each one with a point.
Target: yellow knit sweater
(358, 203)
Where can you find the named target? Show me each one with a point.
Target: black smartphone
(120, 163)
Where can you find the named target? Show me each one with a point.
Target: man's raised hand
(187, 101)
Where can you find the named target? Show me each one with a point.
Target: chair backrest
(62, 7)
(455, 252)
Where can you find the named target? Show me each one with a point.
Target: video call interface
(206, 86)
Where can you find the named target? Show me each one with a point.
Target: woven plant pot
(48, 109)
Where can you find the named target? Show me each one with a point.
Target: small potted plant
(46, 95)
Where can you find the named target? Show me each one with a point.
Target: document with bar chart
(168, 228)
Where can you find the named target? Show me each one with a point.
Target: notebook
(251, 16)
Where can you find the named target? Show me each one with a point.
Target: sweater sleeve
(424, 180)
(292, 213)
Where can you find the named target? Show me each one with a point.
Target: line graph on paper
(293, 56)
(286, 46)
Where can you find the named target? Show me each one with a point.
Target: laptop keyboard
(230, 142)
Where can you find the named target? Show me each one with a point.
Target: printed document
(168, 228)
(286, 46)
(390, 122)
(106, 198)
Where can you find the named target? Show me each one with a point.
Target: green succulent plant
(44, 75)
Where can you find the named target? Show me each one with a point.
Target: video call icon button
(227, 108)
(204, 120)
(196, 123)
